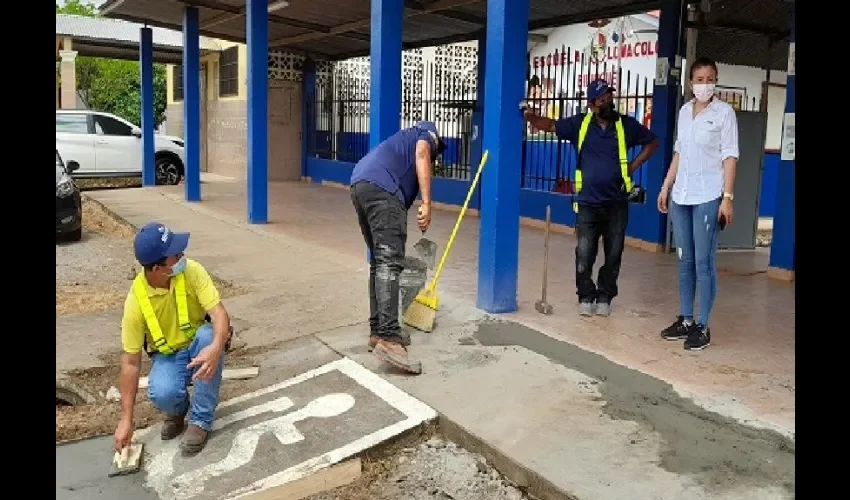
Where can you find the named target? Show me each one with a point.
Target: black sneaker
(699, 339)
(678, 330)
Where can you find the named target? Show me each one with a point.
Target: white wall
(638, 60)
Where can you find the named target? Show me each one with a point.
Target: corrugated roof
(338, 29)
(106, 30)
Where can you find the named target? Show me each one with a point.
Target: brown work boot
(396, 355)
(373, 341)
(193, 441)
(172, 426)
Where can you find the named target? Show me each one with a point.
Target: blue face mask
(178, 267)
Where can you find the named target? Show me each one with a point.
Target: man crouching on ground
(384, 185)
(166, 314)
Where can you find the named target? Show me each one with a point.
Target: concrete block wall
(227, 135)
(174, 118)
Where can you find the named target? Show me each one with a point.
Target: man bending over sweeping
(167, 313)
(384, 185)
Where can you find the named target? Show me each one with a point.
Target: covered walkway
(531, 392)
(750, 364)
(395, 24)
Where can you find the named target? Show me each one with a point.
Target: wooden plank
(323, 480)
(228, 374)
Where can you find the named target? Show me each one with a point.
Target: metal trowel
(427, 251)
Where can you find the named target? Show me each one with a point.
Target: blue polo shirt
(392, 165)
(602, 181)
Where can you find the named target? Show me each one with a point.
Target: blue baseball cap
(155, 241)
(597, 89)
(431, 127)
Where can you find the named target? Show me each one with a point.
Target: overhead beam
(592, 15)
(537, 38)
(457, 16)
(230, 13)
(440, 5)
(744, 29)
(177, 27)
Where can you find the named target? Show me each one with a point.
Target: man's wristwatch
(729, 196)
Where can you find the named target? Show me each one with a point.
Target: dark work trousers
(609, 222)
(383, 222)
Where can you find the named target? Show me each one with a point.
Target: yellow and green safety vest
(141, 293)
(621, 147)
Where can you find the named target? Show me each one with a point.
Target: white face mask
(703, 91)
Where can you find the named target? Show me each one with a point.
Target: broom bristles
(420, 316)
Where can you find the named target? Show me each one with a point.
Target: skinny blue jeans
(695, 230)
(169, 380)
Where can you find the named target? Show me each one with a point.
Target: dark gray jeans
(383, 222)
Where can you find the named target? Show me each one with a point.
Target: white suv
(105, 145)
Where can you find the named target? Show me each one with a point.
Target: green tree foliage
(113, 85)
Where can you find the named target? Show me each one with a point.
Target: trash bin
(412, 280)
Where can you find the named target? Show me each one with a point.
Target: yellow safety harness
(621, 146)
(141, 293)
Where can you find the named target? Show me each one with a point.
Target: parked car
(69, 207)
(105, 145)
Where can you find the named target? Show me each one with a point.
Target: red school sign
(611, 52)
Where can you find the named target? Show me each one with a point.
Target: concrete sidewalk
(572, 421)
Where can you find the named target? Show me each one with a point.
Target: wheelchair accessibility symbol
(275, 436)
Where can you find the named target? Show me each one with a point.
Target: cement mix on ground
(717, 451)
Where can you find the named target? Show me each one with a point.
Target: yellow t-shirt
(202, 296)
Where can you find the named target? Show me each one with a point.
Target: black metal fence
(556, 85)
(556, 89)
(429, 92)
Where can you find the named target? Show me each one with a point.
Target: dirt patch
(116, 183)
(425, 469)
(100, 417)
(94, 274)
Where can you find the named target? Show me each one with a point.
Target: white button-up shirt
(703, 142)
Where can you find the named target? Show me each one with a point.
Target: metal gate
(752, 129)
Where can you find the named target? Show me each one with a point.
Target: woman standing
(702, 177)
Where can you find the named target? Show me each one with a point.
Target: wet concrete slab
(81, 474)
(590, 427)
(279, 433)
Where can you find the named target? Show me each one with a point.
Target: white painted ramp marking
(246, 440)
(190, 484)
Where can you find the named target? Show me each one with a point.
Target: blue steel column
(385, 78)
(192, 104)
(498, 250)
(645, 222)
(146, 76)
(783, 247)
(308, 112)
(257, 18)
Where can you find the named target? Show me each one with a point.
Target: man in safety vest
(602, 138)
(167, 313)
(384, 185)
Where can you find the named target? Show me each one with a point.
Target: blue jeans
(695, 230)
(169, 380)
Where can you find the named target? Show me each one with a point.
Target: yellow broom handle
(433, 284)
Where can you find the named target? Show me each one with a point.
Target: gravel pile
(435, 469)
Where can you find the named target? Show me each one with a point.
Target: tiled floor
(749, 369)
